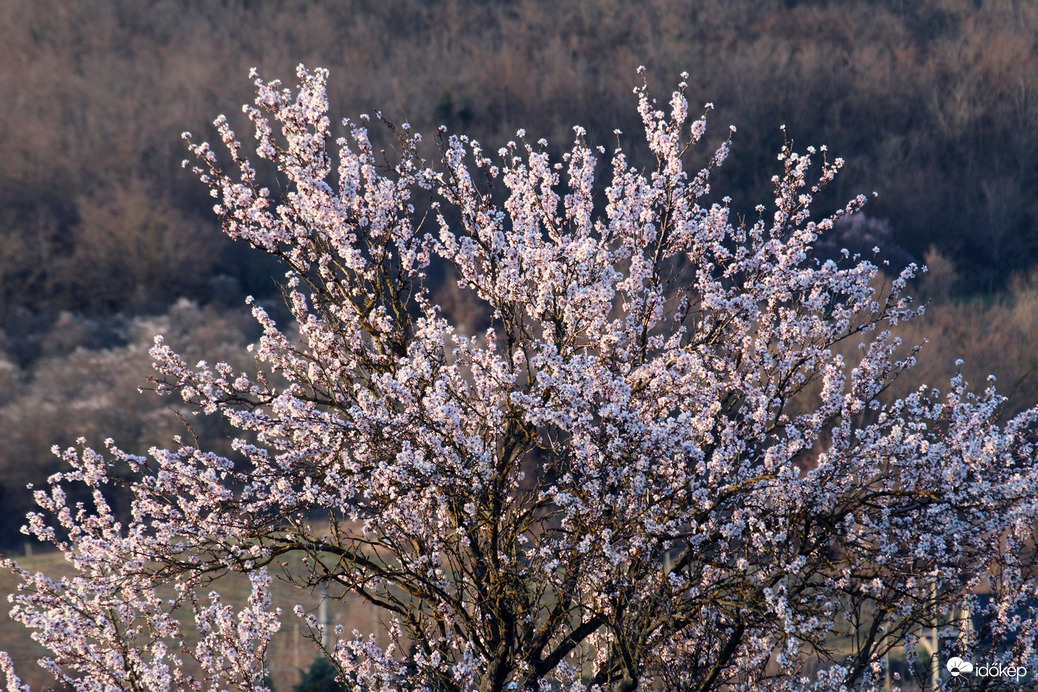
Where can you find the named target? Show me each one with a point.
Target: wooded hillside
(933, 104)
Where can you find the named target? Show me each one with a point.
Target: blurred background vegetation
(105, 240)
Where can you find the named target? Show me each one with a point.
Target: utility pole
(931, 644)
(322, 616)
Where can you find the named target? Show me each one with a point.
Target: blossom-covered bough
(664, 465)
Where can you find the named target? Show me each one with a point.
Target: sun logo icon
(956, 666)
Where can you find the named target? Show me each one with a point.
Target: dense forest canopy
(933, 104)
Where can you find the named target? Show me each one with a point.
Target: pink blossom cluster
(667, 462)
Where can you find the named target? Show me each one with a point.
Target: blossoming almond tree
(653, 470)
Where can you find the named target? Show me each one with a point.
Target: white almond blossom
(662, 464)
